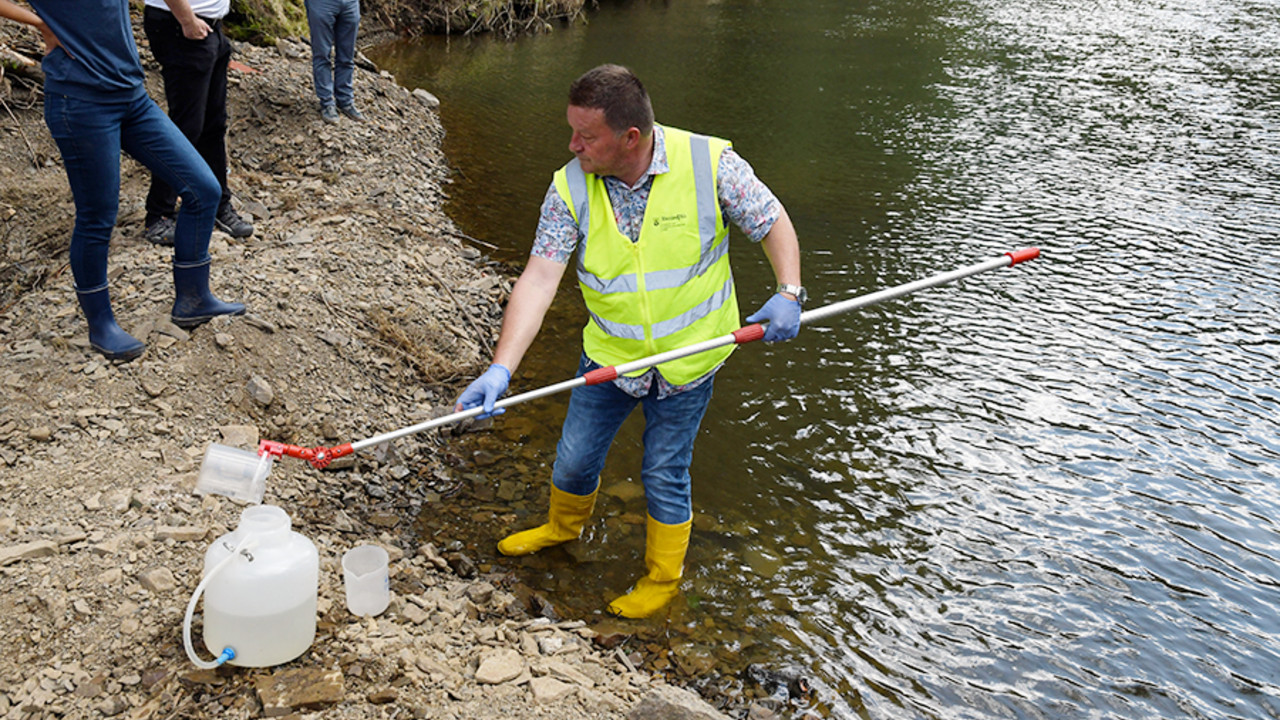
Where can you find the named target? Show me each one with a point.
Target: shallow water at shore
(1046, 491)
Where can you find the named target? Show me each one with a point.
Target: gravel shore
(368, 310)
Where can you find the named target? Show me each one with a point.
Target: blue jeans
(90, 137)
(333, 30)
(671, 425)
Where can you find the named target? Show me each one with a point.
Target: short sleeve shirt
(97, 60)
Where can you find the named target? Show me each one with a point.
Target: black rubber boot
(105, 335)
(194, 304)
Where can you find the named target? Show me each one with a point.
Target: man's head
(612, 121)
(618, 93)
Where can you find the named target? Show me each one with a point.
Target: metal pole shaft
(747, 334)
(851, 304)
(464, 414)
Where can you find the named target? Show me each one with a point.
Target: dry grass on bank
(507, 17)
(261, 21)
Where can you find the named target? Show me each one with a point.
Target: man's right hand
(197, 29)
(486, 390)
(783, 315)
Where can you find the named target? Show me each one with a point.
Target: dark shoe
(161, 231)
(105, 335)
(351, 112)
(194, 304)
(329, 113)
(229, 222)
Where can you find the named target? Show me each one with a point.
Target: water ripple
(1045, 492)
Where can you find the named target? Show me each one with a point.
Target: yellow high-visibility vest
(671, 288)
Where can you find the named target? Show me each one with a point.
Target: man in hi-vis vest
(647, 208)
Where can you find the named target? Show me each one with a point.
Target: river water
(1045, 492)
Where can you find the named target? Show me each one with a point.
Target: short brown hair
(619, 93)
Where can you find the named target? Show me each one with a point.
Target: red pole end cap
(1023, 255)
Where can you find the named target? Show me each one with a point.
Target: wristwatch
(797, 290)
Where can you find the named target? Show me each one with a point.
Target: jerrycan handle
(228, 653)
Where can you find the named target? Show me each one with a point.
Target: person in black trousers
(187, 40)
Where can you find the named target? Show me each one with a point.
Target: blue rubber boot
(194, 304)
(105, 335)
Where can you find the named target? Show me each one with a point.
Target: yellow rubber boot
(565, 518)
(664, 550)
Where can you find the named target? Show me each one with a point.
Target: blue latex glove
(783, 315)
(486, 389)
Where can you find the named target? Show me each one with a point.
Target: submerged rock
(787, 683)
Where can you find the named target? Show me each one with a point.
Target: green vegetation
(262, 21)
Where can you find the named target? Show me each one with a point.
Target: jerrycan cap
(264, 519)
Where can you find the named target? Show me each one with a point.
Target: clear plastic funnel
(235, 473)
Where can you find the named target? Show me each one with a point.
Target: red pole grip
(1023, 255)
(747, 334)
(601, 375)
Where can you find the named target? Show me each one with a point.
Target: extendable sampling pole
(322, 456)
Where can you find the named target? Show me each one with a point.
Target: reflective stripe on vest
(672, 325)
(693, 300)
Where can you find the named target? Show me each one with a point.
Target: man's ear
(632, 138)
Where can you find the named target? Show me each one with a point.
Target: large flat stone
(547, 689)
(667, 702)
(288, 691)
(499, 666)
(28, 551)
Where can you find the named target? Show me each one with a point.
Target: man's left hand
(783, 314)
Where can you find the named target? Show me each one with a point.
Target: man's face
(600, 150)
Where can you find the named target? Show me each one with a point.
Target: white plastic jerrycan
(260, 583)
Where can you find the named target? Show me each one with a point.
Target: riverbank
(263, 21)
(368, 311)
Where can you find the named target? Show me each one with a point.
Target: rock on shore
(367, 311)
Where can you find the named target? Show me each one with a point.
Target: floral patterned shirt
(744, 201)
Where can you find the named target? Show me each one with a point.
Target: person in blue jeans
(647, 209)
(95, 106)
(334, 25)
